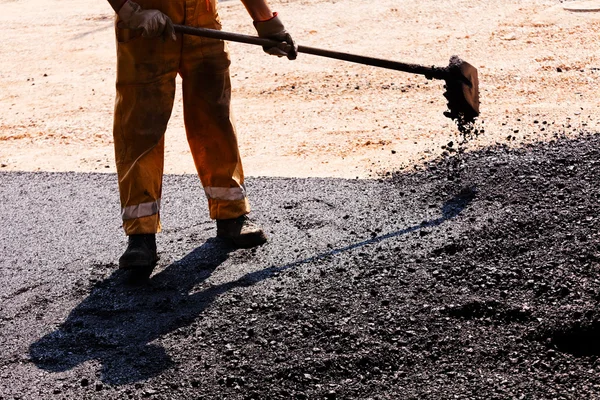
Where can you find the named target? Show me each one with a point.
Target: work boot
(241, 231)
(140, 254)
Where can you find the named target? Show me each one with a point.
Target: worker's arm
(152, 23)
(259, 10)
(268, 25)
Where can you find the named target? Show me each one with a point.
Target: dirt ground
(539, 66)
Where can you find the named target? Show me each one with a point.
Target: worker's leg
(146, 71)
(208, 120)
(211, 132)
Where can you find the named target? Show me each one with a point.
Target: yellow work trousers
(146, 72)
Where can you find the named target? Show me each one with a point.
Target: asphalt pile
(415, 286)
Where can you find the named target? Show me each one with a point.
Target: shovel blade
(462, 91)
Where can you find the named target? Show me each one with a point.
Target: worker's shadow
(116, 324)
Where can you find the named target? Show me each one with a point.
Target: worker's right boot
(241, 232)
(140, 256)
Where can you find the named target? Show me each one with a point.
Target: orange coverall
(146, 72)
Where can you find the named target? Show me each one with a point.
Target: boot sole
(246, 241)
(139, 275)
(135, 264)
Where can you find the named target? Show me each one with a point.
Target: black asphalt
(410, 286)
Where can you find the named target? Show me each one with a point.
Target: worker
(149, 56)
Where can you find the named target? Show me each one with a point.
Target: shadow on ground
(117, 323)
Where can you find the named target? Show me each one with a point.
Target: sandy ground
(538, 63)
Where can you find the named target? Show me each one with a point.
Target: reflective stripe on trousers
(141, 210)
(221, 193)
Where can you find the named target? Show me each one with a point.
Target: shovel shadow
(116, 324)
(451, 209)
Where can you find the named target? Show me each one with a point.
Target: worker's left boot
(241, 231)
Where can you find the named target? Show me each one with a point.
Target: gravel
(412, 286)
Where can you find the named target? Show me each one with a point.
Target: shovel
(462, 84)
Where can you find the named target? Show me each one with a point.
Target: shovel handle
(429, 72)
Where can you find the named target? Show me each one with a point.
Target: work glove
(273, 29)
(153, 23)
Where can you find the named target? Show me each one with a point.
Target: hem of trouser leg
(227, 209)
(144, 225)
